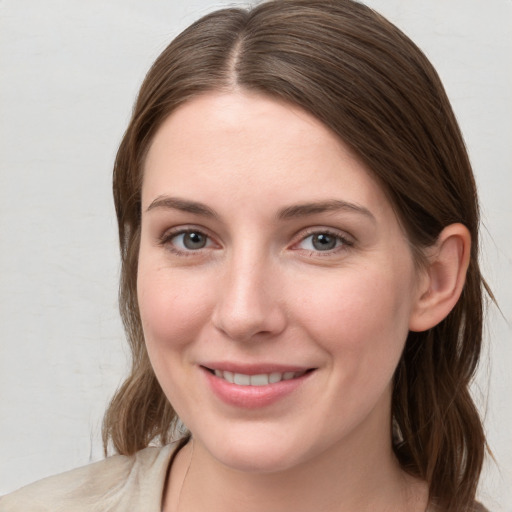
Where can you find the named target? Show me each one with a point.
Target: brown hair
(371, 85)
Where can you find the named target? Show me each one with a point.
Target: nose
(250, 303)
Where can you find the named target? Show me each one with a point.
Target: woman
(300, 284)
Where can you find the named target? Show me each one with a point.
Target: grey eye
(323, 241)
(190, 240)
(194, 240)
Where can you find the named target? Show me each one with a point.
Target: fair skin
(268, 249)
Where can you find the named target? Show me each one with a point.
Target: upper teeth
(262, 379)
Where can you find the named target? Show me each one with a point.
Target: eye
(322, 241)
(187, 241)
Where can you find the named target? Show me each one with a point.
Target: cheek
(173, 312)
(361, 313)
(362, 324)
(171, 307)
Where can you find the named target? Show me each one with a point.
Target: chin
(256, 459)
(255, 449)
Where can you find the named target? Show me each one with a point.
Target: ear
(443, 279)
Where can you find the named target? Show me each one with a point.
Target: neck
(345, 478)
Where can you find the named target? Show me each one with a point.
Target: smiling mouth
(262, 379)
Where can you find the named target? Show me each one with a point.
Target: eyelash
(343, 242)
(168, 236)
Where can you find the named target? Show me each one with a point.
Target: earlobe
(443, 279)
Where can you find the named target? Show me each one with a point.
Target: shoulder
(116, 483)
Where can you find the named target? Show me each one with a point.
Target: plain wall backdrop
(70, 71)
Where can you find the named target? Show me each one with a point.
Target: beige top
(116, 484)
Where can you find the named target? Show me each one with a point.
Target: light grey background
(70, 70)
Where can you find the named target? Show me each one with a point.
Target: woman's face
(275, 284)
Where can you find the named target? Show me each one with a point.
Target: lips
(252, 387)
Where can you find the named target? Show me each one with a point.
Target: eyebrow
(287, 213)
(183, 205)
(334, 205)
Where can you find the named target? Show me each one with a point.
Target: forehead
(245, 146)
